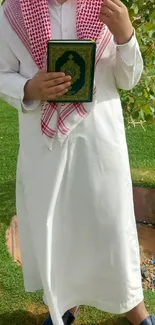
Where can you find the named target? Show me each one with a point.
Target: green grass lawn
(17, 307)
(141, 145)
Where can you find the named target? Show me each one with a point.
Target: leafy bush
(139, 104)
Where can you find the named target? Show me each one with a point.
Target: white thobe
(75, 207)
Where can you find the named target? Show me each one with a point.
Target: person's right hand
(46, 86)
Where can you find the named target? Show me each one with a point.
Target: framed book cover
(77, 59)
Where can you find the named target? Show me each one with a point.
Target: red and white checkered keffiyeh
(30, 19)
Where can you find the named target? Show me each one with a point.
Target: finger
(57, 81)
(59, 88)
(117, 3)
(61, 93)
(53, 75)
(111, 5)
(106, 11)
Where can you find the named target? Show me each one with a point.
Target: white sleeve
(11, 82)
(128, 66)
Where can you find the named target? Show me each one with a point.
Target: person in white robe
(77, 227)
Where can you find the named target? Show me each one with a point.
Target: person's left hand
(115, 15)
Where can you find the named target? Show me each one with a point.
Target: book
(77, 59)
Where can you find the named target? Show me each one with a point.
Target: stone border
(12, 241)
(144, 202)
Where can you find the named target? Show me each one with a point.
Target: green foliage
(139, 104)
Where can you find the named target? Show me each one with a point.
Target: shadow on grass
(21, 317)
(7, 201)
